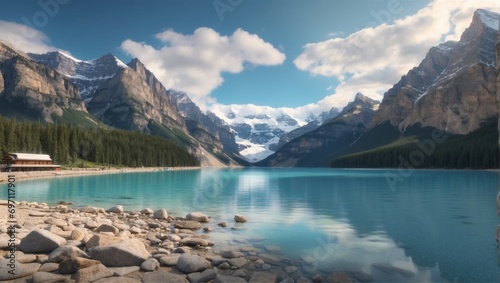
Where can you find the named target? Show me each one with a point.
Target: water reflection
(436, 225)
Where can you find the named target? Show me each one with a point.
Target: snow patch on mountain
(87, 75)
(258, 128)
(490, 19)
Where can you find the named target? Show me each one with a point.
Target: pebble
(150, 264)
(115, 246)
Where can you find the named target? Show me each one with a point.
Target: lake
(429, 226)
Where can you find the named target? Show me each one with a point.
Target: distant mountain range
(261, 130)
(452, 90)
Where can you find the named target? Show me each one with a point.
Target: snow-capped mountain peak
(257, 128)
(490, 19)
(87, 75)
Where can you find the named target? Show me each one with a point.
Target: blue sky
(279, 53)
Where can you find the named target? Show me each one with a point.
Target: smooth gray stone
(192, 263)
(163, 277)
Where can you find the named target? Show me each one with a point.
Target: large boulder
(126, 253)
(192, 263)
(41, 241)
(197, 216)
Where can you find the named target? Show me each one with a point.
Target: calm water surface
(438, 225)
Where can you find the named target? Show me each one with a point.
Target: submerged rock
(231, 254)
(240, 218)
(228, 279)
(187, 224)
(263, 277)
(197, 216)
(362, 277)
(339, 277)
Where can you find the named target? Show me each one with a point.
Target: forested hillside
(72, 145)
(477, 150)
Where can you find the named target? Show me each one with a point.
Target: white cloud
(373, 59)
(25, 38)
(194, 63)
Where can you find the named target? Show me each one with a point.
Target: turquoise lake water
(439, 225)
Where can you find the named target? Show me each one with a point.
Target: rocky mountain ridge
(122, 96)
(87, 75)
(434, 94)
(318, 147)
(32, 90)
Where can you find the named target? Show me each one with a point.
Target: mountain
(206, 122)
(320, 146)
(257, 129)
(451, 95)
(453, 87)
(309, 127)
(130, 97)
(33, 91)
(87, 75)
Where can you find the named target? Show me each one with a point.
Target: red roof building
(26, 162)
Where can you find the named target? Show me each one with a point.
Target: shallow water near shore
(430, 226)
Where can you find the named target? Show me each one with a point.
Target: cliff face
(454, 87)
(132, 98)
(30, 89)
(202, 122)
(319, 147)
(87, 75)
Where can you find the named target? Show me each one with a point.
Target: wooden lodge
(27, 162)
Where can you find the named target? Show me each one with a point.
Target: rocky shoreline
(63, 243)
(88, 244)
